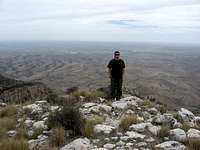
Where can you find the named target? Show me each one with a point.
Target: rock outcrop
(110, 130)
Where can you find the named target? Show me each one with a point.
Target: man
(116, 70)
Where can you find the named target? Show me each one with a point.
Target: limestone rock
(134, 135)
(39, 124)
(171, 145)
(35, 144)
(12, 133)
(193, 134)
(154, 129)
(139, 127)
(186, 115)
(109, 146)
(101, 128)
(78, 144)
(178, 135)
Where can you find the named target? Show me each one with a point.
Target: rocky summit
(130, 123)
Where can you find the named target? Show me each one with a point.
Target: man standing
(116, 70)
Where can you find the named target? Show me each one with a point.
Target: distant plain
(168, 72)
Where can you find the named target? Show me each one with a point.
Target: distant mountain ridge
(12, 90)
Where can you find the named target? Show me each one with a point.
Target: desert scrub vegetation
(193, 144)
(14, 144)
(148, 104)
(89, 124)
(6, 124)
(68, 117)
(127, 121)
(57, 138)
(8, 111)
(164, 131)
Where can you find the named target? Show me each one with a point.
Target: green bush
(127, 121)
(67, 117)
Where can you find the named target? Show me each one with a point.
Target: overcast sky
(101, 20)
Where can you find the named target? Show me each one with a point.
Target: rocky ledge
(128, 124)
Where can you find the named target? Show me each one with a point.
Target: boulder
(170, 145)
(121, 105)
(186, 115)
(165, 119)
(154, 129)
(139, 127)
(101, 128)
(35, 144)
(193, 134)
(37, 109)
(39, 124)
(105, 108)
(109, 146)
(178, 135)
(28, 123)
(134, 135)
(78, 144)
(3, 104)
(12, 133)
(153, 111)
(197, 121)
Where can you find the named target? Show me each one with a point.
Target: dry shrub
(67, 117)
(14, 144)
(8, 111)
(58, 137)
(194, 144)
(127, 121)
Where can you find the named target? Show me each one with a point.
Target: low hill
(12, 90)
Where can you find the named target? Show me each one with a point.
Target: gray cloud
(65, 19)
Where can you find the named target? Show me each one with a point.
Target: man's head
(116, 54)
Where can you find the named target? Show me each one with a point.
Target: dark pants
(116, 88)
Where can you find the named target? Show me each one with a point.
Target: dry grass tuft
(194, 144)
(8, 111)
(89, 124)
(14, 144)
(58, 137)
(127, 121)
(6, 124)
